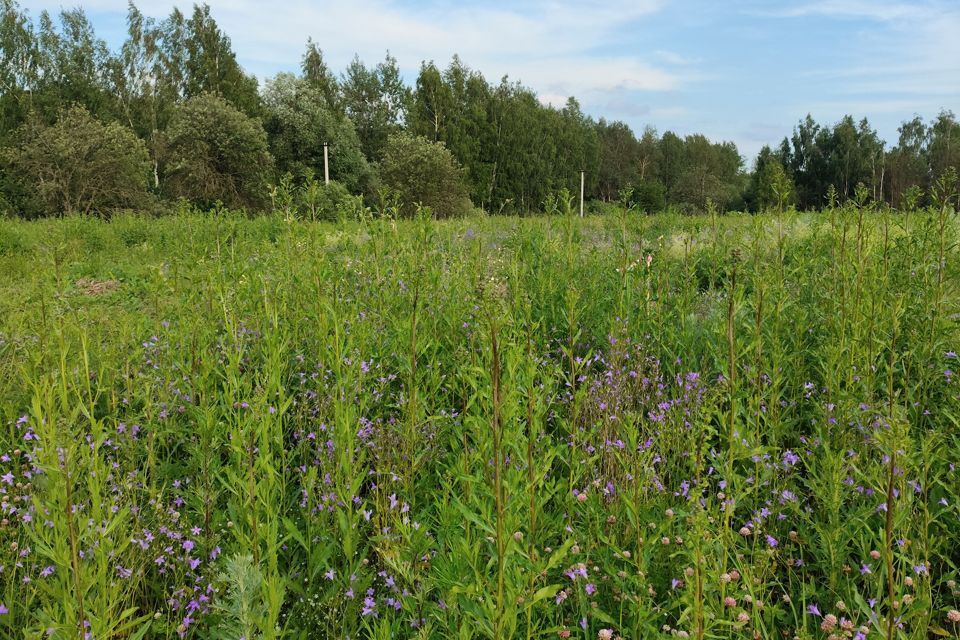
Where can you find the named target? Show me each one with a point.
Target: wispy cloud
(552, 46)
(674, 58)
(874, 10)
(908, 60)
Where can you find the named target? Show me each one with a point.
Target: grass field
(621, 426)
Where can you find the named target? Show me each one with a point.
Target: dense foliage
(423, 173)
(214, 153)
(514, 150)
(630, 426)
(78, 164)
(300, 121)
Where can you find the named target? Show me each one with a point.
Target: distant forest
(171, 116)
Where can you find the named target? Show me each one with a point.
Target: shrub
(319, 201)
(79, 165)
(216, 153)
(300, 120)
(425, 173)
(601, 208)
(650, 196)
(129, 228)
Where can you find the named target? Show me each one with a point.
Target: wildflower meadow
(617, 426)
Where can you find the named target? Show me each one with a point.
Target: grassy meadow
(622, 426)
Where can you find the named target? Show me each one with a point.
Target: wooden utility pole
(326, 164)
(583, 177)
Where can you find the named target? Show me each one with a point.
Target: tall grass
(622, 426)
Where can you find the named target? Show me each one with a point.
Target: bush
(425, 173)
(79, 165)
(129, 228)
(600, 208)
(319, 201)
(299, 121)
(650, 196)
(216, 154)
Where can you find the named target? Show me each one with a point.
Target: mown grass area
(618, 426)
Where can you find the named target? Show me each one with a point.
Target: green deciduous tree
(649, 196)
(695, 171)
(944, 145)
(804, 160)
(515, 151)
(211, 65)
(19, 66)
(145, 86)
(431, 104)
(73, 64)
(216, 153)
(79, 165)
(842, 155)
(907, 163)
(423, 172)
(670, 168)
(375, 99)
(459, 108)
(299, 120)
(770, 185)
(519, 152)
(315, 71)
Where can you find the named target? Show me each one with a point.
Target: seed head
(829, 622)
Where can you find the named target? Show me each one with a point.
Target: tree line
(171, 116)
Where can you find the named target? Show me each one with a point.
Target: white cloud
(859, 108)
(909, 60)
(671, 57)
(548, 45)
(875, 10)
(555, 100)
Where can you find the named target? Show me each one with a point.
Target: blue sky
(742, 70)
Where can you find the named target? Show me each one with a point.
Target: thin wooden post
(583, 178)
(326, 164)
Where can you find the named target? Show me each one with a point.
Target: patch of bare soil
(91, 287)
